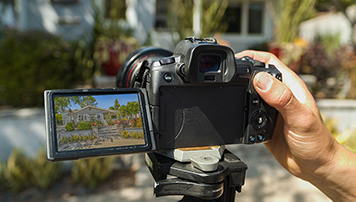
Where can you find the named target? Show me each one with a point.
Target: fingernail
(263, 81)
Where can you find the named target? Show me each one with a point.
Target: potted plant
(113, 41)
(95, 129)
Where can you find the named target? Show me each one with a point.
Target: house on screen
(88, 113)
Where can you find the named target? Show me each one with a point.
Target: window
(233, 16)
(245, 17)
(255, 17)
(161, 23)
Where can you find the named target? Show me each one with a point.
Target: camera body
(201, 95)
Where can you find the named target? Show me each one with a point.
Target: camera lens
(125, 78)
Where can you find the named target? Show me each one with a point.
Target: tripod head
(195, 184)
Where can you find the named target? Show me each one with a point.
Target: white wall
(77, 18)
(140, 15)
(329, 23)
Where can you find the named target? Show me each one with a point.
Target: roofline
(89, 106)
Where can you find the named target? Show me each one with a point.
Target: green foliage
(75, 138)
(130, 109)
(87, 101)
(32, 61)
(116, 105)
(64, 140)
(83, 137)
(85, 125)
(70, 126)
(21, 172)
(99, 123)
(44, 173)
(60, 103)
(330, 42)
(288, 15)
(59, 119)
(137, 135)
(109, 120)
(91, 137)
(181, 20)
(91, 172)
(346, 138)
(125, 134)
(16, 172)
(212, 19)
(2, 175)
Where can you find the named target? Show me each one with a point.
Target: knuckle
(285, 98)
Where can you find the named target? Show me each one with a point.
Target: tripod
(196, 185)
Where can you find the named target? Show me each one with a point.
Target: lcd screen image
(97, 121)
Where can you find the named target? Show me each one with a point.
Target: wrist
(336, 178)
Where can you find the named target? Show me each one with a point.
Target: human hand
(301, 142)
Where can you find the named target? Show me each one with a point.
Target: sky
(106, 101)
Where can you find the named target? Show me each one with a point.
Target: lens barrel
(126, 76)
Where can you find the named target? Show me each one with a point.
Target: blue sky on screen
(106, 101)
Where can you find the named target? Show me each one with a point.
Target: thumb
(279, 96)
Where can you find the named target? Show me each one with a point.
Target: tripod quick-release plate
(205, 162)
(190, 181)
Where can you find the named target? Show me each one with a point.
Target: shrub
(16, 173)
(138, 122)
(44, 173)
(137, 135)
(125, 123)
(2, 175)
(99, 123)
(83, 137)
(20, 172)
(91, 137)
(32, 61)
(75, 138)
(64, 140)
(59, 119)
(70, 126)
(84, 125)
(91, 172)
(125, 134)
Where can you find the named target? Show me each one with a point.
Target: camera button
(260, 137)
(255, 101)
(259, 120)
(167, 61)
(252, 139)
(168, 77)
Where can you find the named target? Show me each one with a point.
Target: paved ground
(266, 180)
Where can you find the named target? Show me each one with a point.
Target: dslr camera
(200, 95)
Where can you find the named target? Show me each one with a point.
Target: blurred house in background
(329, 23)
(69, 19)
(249, 23)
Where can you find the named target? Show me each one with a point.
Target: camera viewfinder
(208, 63)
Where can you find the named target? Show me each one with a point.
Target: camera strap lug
(140, 77)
